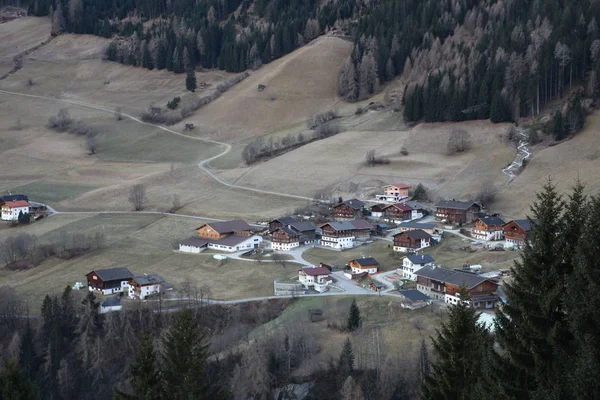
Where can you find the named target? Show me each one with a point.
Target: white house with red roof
(12, 209)
(315, 277)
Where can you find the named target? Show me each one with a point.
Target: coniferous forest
(461, 59)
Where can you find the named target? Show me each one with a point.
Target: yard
(381, 250)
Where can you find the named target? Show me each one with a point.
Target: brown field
(380, 250)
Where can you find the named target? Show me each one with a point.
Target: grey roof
(14, 197)
(230, 226)
(492, 221)
(304, 226)
(525, 223)
(421, 259)
(418, 234)
(458, 205)
(286, 220)
(112, 301)
(341, 225)
(231, 240)
(150, 279)
(416, 225)
(361, 224)
(415, 205)
(414, 295)
(457, 278)
(195, 241)
(366, 261)
(113, 274)
(287, 230)
(355, 204)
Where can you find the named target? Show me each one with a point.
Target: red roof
(17, 203)
(400, 186)
(316, 271)
(400, 206)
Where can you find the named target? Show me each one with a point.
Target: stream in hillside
(523, 153)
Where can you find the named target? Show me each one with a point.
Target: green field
(52, 192)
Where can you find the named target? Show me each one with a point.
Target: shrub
(459, 141)
(60, 121)
(404, 151)
(371, 159)
(318, 119)
(171, 105)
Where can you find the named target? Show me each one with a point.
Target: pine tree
(146, 378)
(498, 110)
(14, 383)
(147, 58)
(190, 80)
(527, 325)
(58, 20)
(558, 126)
(27, 353)
(459, 345)
(423, 362)
(185, 354)
(346, 363)
(353, 317)
(420, 193)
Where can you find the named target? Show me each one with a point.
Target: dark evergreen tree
(15, 384)
(190, 80)
(147, 59)
(28, 358)
(558, 126)
(420, 193)
(346, 363)
(459, 345)
(145, 375)
(499, 111)
(423, 363)
(353, 317)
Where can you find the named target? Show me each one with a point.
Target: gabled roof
(414, 295)
(420, 259)
(287, 230)
(416, 225)
(492, 221)
(366, 261)
(399, 186)
(400, 206)
(416, 234)
(340, 225)
(113, 274)
(286, 220)
(355, 204)
(195, 241)
(378, 207)
(361, 224)
(112, 301)
(149, 279)
(231, 240)
(316, 271)
(17, 203)
(457, 278)
(14, 197)
(457, 205)
(229, 226)
(415, 205)
(525, 223)
(304, 226)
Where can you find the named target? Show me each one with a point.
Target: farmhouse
(409, 226)
(419, 210)
(394, 193)
(142, 286)
(296, 233)
(366, 264)
(228, 236)
(348, 209)
(397, 212)
(517, 231)
(443, 284)
(376, 211)
(362, 228)
(411, 241)
(412, 264)
(284, 238)
(110, 280)
(413, 299)
(13, 197)
(458, 212)
(488, 229)
(338, 235)
(12, 208)
(316, 277)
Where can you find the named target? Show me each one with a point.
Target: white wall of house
(487, 235)
(430, 293)
(416, 214)
(356, 270)
(119, 289)
(12, 214)
(390, 198)
(311, 280)
(284, 246)
(424, 243)
(110, 308)
(247, 244)
(190, 249)
(408, 269)
(337, 243)
(145, 291)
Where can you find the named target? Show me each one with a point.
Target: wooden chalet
(279, 222)
(365, 264)
(290, 230)
(284, 238)
(411, 241)
(397, 212)
(110, 280)
(219, 230)
(362, 228)
(488, 229)
(348, 209)
(338, 235)
(458, 212)
(517, 231)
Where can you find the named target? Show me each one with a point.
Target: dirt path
(523, 153)
(201, 164)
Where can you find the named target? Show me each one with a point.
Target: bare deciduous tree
(459, 141)
(61, 120)
(280, 259)
(488, 193)
(137, 196)
(118, 114)
(92, 143)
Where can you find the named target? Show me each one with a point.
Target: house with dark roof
(397, 212)
(376, 211)
(218, 230)
(413, 263)
(316, 277)
(457, 212)
(112, 303)
(411, 226)
(517, 231)
(362, 228)
(348, 209)
(287, 233)
(338, 235)
(110, 280)
(413, 299)
(411, 241)
(228, 236)
(142, 286)
(488, 229)
(279, 222)
(284, 238)
(13, 197)
(365, 264)
(444, 284)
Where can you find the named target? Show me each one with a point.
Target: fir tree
(27, 353)
(147, 58)
(15, 385)
(190, 80)
(498, 110)
(146, 378)
(423, 362)
(420, 193)
(558, 126)
(353, 317)
(346, 363)
(459, 345)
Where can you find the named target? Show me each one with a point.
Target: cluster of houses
(120, 280)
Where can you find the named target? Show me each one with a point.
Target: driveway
(349, 285)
